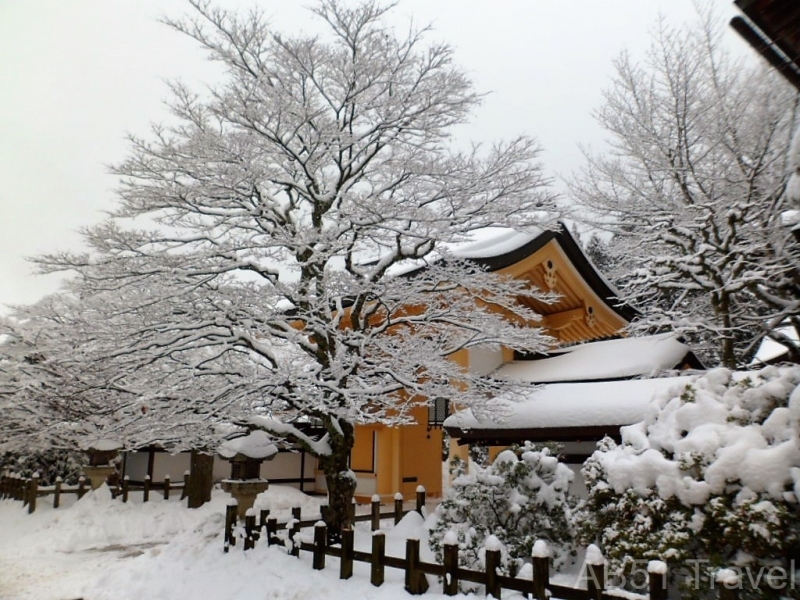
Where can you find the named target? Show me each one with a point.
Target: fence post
(81, 486)
(377, 560)
(541, 569)
(450, 563)
(420, 498)
(352, 512)
(346, 564)
(657, 579)
(146, 489)
(185, 490)
(230, 523)
(166, 487)
(126, 488)
(416, 582)
(595, 573)
(249, 528)
(25, 493)
(3, 486)
(263, 515)
(33, 491)
(272, 530)
(375, 510)
(57, 492)
(19, 494)
(294, 532)
(492, 562)
(398, 507)
(320, 541)
(727, 581)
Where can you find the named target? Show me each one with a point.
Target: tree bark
(200, 478)
(341, 482)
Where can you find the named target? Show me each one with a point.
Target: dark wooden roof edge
(592, 276)
(762, 44)
(505, 437)
(577, 257)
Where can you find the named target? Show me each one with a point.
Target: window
(438, 411)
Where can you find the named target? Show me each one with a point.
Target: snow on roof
(609, 359)
(256, 444)
(487, 242)
(493, 241)
(573, 405)
(770, 349)
(102, 445)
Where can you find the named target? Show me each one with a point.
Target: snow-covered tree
(711, 475)
(520, 498)
(285, 253)
(692, 187)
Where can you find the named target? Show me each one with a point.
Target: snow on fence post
(540, 557)
(320, 542)
(81, 486)
(249, 528)
(126, 487)
(492, 563)
(727, 583)
(33, 491)
(450, 563)
(146, 489)
(398, 507)
(595, 572)
(230, 523)
(375, 508)
(346, 563)
(166, 487)
(57, 492)
(416, 582)
(420, 498)
(657, 579)
(376, 575)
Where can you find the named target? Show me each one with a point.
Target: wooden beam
(563, 319)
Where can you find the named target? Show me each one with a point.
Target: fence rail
(29, 491)
(534, 583)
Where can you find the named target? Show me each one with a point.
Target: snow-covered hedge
(519, 498)
(711, 474)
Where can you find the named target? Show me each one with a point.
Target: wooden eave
(506, 437)
(587, 307)
(772, 28)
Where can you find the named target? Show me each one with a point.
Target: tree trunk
(200, 478)
(341, 482)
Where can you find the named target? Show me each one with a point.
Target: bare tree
(692, 189)
(302, 263)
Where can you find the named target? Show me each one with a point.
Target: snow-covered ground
(101, 549)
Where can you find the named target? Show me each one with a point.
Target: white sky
(76, 76)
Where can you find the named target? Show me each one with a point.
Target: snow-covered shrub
(519, 498)
(712, 475)
(50, 464)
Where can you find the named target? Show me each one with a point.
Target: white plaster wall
(136, 465)
(174, 465)
(484, 360)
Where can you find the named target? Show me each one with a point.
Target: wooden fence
(29, 491)
(533, 582)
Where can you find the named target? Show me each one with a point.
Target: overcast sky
(77, 75)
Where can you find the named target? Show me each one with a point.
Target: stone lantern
(246, 453)
(101, 455)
